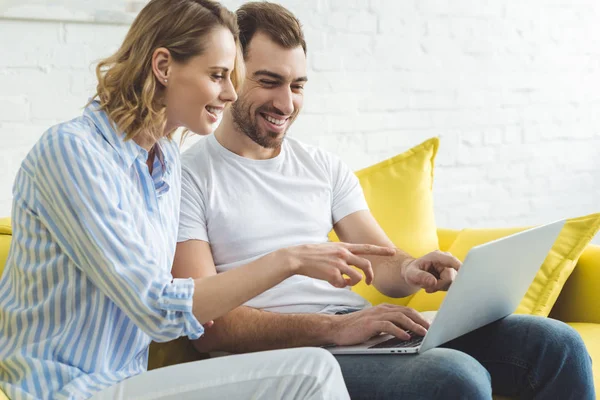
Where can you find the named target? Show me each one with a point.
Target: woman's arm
(217, 294)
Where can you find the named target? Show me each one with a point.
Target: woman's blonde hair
(127, 88)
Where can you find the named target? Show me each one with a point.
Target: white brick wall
(512, 88)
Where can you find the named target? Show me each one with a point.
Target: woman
(87, 284)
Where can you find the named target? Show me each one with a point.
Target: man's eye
(269, 83)
(298, 87)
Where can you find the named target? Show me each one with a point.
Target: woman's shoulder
(77, 130)
(74, 140)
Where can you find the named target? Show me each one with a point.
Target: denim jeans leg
(435, 374)
(531, 357)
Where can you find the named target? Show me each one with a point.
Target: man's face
(273, 92)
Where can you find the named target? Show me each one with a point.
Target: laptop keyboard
(399, 343)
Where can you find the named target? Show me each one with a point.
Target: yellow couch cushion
(590, 333)
(398, 191)
(446, 237)
(580, 298)
(554, 272)
(5, 237)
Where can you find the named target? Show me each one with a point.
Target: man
(248, 190)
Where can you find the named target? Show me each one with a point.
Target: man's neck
(237, 142)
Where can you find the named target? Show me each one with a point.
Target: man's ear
(161, 65)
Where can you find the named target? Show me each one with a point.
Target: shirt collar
(129, 150)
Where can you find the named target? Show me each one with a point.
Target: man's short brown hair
(274, 20)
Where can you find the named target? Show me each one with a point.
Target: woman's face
(197, 91)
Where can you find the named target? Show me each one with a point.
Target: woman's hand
(332, 262)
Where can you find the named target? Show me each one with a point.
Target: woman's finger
(362, 264)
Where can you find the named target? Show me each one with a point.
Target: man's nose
(284, 101)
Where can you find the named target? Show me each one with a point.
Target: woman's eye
(218, 77)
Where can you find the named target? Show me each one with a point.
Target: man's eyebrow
(277, 76)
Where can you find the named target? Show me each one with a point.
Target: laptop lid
(491, 283)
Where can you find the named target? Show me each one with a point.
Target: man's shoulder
(197, 154)
(314, 152)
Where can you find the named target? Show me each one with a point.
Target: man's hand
(331, 261)
(359, 326)
(432, 272)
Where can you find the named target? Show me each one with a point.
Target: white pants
(303, 373)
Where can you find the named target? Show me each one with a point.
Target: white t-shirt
(248, 208)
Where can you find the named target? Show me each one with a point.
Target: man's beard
(242, 120)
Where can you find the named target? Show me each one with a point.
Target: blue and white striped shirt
(87, 284)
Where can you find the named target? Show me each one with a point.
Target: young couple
(95, 270)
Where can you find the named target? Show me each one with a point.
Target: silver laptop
(490, 285)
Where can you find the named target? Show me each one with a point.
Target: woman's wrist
(286, 262)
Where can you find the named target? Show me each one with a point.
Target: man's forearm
(389, 276)
(247, 329)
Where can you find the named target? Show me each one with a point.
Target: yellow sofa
(578, 303)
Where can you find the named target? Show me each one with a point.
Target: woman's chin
(203, 129)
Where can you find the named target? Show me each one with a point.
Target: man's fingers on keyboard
(417, 317)
(392, 329)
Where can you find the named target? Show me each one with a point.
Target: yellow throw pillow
(398, 191)
(550, 279)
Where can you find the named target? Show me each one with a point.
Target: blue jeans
(518, 356)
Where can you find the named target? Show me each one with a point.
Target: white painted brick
(314, 16)
(472, 137)
(433, 100)
(372, 122)
(437, 27)
(477, 8)
(26, 33)
(493, 136)
(392, 142)
(384, 101)
(354, 22)
(309, 127)
(102, 35)
(505, 171)
(330, 104)
(434, 6)
(513, 134)
(398, 53)
(316, 40)
(326, 61)
(20, 135)
(14, 108)
(54, 107)
(356, 5)
(448, 154)
(475, 155)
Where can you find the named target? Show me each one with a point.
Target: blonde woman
(88, 285)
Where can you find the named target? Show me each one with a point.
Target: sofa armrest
(580, 298)
(446, 237)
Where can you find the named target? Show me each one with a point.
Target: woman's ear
(161, 65)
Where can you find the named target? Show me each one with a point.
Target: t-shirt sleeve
(347, 196)
(192, 218)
